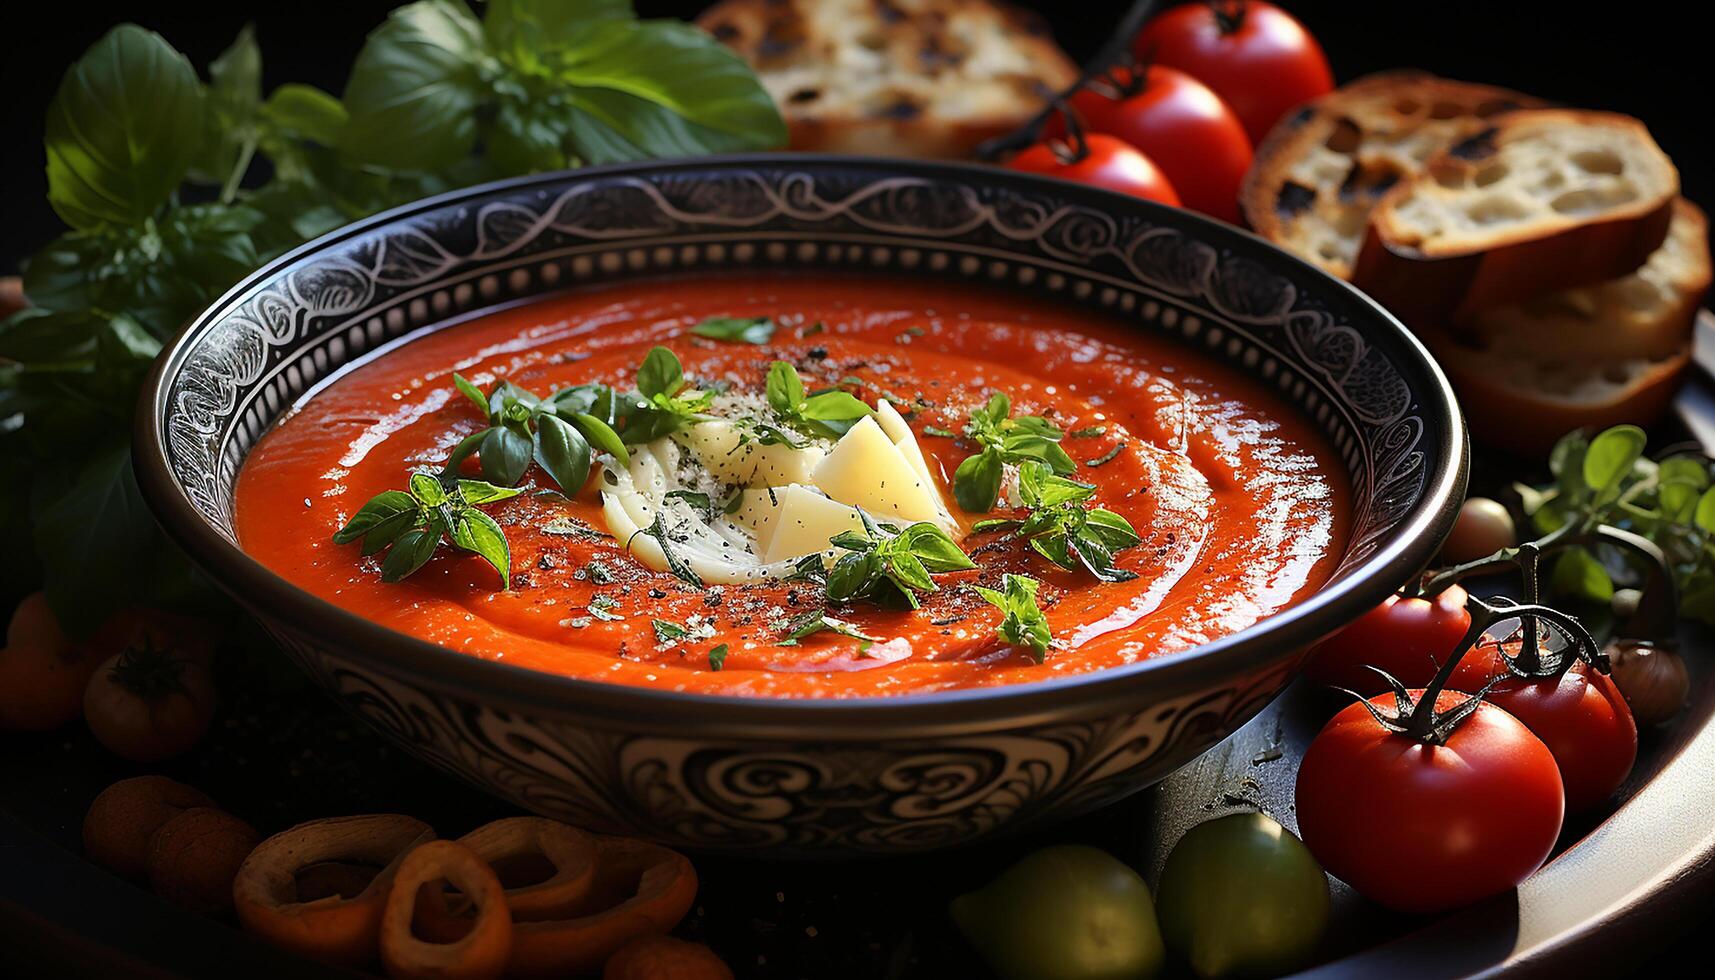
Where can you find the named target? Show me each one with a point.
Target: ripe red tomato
(1426, 828)
(1110, 163)
(1580, 716)
(1183, 126)
(1408, 638)
(1256, 57)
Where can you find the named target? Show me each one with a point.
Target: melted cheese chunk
(899, 431)
(723, 450)
(803, 524)
(867, 469)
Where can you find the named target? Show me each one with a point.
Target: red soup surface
(1239, 505)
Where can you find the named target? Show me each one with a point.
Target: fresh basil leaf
(668, 632)
(427, 490)
(305, 112)
(785, 390)
(998, 408)
(1114, 531)
(505, 455)
(562, 452)
(597, 400)
(475, 531)
(932, 546)
(749, 330)
(1678, 501)
(1096, 556)
(852, 575)
(662, 89)
(231, 133)
(379, 510)
(410, 552)
(602, 437)
(717, 656)
(415, 89)
(976, 483)
(471, 392)
(476, 493)
(1566, 460)
(1610, 458)
(816, 621)
(122, 130)
(1704, 516)
(660, 374)
(1022, 622)
(834, 406)
(1577, 573)
(906, 570)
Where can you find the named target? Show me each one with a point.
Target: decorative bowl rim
(1113, 690)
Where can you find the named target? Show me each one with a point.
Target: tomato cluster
(1213, 78)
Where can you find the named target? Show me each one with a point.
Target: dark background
(1648, 60)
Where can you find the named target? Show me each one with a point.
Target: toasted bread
(1540, 200)
(1320, 171)
(1649, 314)
(916, 78)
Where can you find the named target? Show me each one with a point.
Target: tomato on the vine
(1580, 715)
(1183, 126)
(1107, 162)
(1256, 57)
(1426, 826)
(1408, 638)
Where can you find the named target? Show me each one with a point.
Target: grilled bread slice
(915, 78)
(1322, 169)
(1592, 356)
(1540, 200)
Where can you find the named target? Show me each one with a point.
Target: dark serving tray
(281, 752)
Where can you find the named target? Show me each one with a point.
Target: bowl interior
(1384, 407)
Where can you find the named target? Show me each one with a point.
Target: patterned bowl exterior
(794, 778)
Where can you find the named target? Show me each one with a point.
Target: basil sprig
(523, 427)
(818, 621)
(412, 524)
(1026, 439)
(1061, 529)
(665, 401)
(747, 330)
(828, 413)
(889, 569)
(1023, 623)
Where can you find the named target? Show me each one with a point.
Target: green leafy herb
(1089, 432)
(1028, 438)
(1106, 457)
(826, 413)
(665, 401)
(602, 607)
(668, 632)
(1023, 623)
(1061, 529)
(817, 621)
(749, 330)
(890, 569)
(675, 562)
(930, 430)
(410, 525)
(717, 656)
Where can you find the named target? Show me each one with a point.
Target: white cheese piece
(899, 431)
(721, 448)
(865, 469)
(803, 523)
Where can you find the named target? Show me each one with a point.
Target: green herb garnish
(1028, 438)
(717, 657)
(817, 621)
(891, 568)
(410, 525)
(1106, 457)
(666, 401)
(1089, 432)
(523, 428)
(1023, 624)
(825, 413)
(668, 632)
(1062, 530)
(748, 330)
(602, 606)
(675, 562)
(931, 430)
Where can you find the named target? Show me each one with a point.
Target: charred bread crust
(920, 78)
(1322, 168)
(1542, 237)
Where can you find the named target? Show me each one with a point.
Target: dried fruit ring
(639, 889)
(546, 866)
(319, 888)
(480, 953)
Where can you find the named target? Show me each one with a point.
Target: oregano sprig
(412, 524)
(1061, 529)
(1004, 439)
(1023, 624)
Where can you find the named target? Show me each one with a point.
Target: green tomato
(1241, 897)
(1064, 913)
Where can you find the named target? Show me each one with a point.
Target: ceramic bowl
(796, 778)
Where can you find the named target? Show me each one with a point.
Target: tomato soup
(1231, 505)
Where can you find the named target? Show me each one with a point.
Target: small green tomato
(1067, 912)
(1241, 897)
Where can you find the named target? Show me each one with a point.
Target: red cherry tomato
(1256, 57)
(1408, 638)
(1110, 163)
(1184, 127)
(1580, 716)
(1426, 828)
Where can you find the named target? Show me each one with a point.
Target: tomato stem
(1229, 15)
(147, 672)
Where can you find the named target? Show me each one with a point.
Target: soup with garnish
(798, 486)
